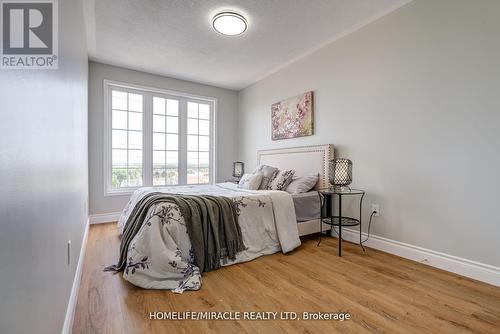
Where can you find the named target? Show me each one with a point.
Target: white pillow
(302, 184)
(250, 181)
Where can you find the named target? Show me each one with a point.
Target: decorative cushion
(250, 181)
(302, 184)
(282, 180)
(268, 174)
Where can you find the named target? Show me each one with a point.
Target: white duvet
(160, 256)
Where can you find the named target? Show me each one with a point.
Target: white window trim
(147, 123)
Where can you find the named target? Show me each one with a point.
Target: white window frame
(147, 131)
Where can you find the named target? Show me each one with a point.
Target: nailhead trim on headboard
(326, 150)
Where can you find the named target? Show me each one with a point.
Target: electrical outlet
(69, 252)
(376, 209)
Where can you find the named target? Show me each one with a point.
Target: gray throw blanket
(211, 222)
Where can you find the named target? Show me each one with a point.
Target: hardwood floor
(383, 293)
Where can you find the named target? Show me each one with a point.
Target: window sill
(130, 191)
(120, 192)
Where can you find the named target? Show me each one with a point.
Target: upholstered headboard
(305, 160)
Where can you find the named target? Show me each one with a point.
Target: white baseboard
(104, 217)
(70, 310)
(472, 269)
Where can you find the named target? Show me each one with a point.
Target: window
(156, 138)
(126, 139)
(198, 143)
(165, 141)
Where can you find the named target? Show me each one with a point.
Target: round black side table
(339, 220)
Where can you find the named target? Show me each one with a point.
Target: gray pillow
(282, 180)
(302, 184)
(268, 174)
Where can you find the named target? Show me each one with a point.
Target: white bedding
(160, 257)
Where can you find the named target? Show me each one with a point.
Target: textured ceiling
(175, 38)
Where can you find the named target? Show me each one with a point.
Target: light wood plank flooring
(382, 292)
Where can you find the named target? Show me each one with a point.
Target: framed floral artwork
(293, 117)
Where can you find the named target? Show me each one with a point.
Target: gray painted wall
(44, 184)
(413, 100)
(227, 105)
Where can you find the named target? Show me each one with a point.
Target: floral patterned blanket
(160, 256)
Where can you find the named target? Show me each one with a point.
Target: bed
(160, 255)
(304, 160)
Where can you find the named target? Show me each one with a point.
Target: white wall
(227, 104)
(44, 184)
(414, 100)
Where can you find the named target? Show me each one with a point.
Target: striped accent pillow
(282, 180)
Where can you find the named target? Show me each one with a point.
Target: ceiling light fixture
(229, 23)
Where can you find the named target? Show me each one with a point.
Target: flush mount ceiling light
(229, 23)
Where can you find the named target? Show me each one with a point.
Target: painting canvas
(293, 117)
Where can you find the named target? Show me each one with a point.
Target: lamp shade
(340, 172)
(238, 169)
